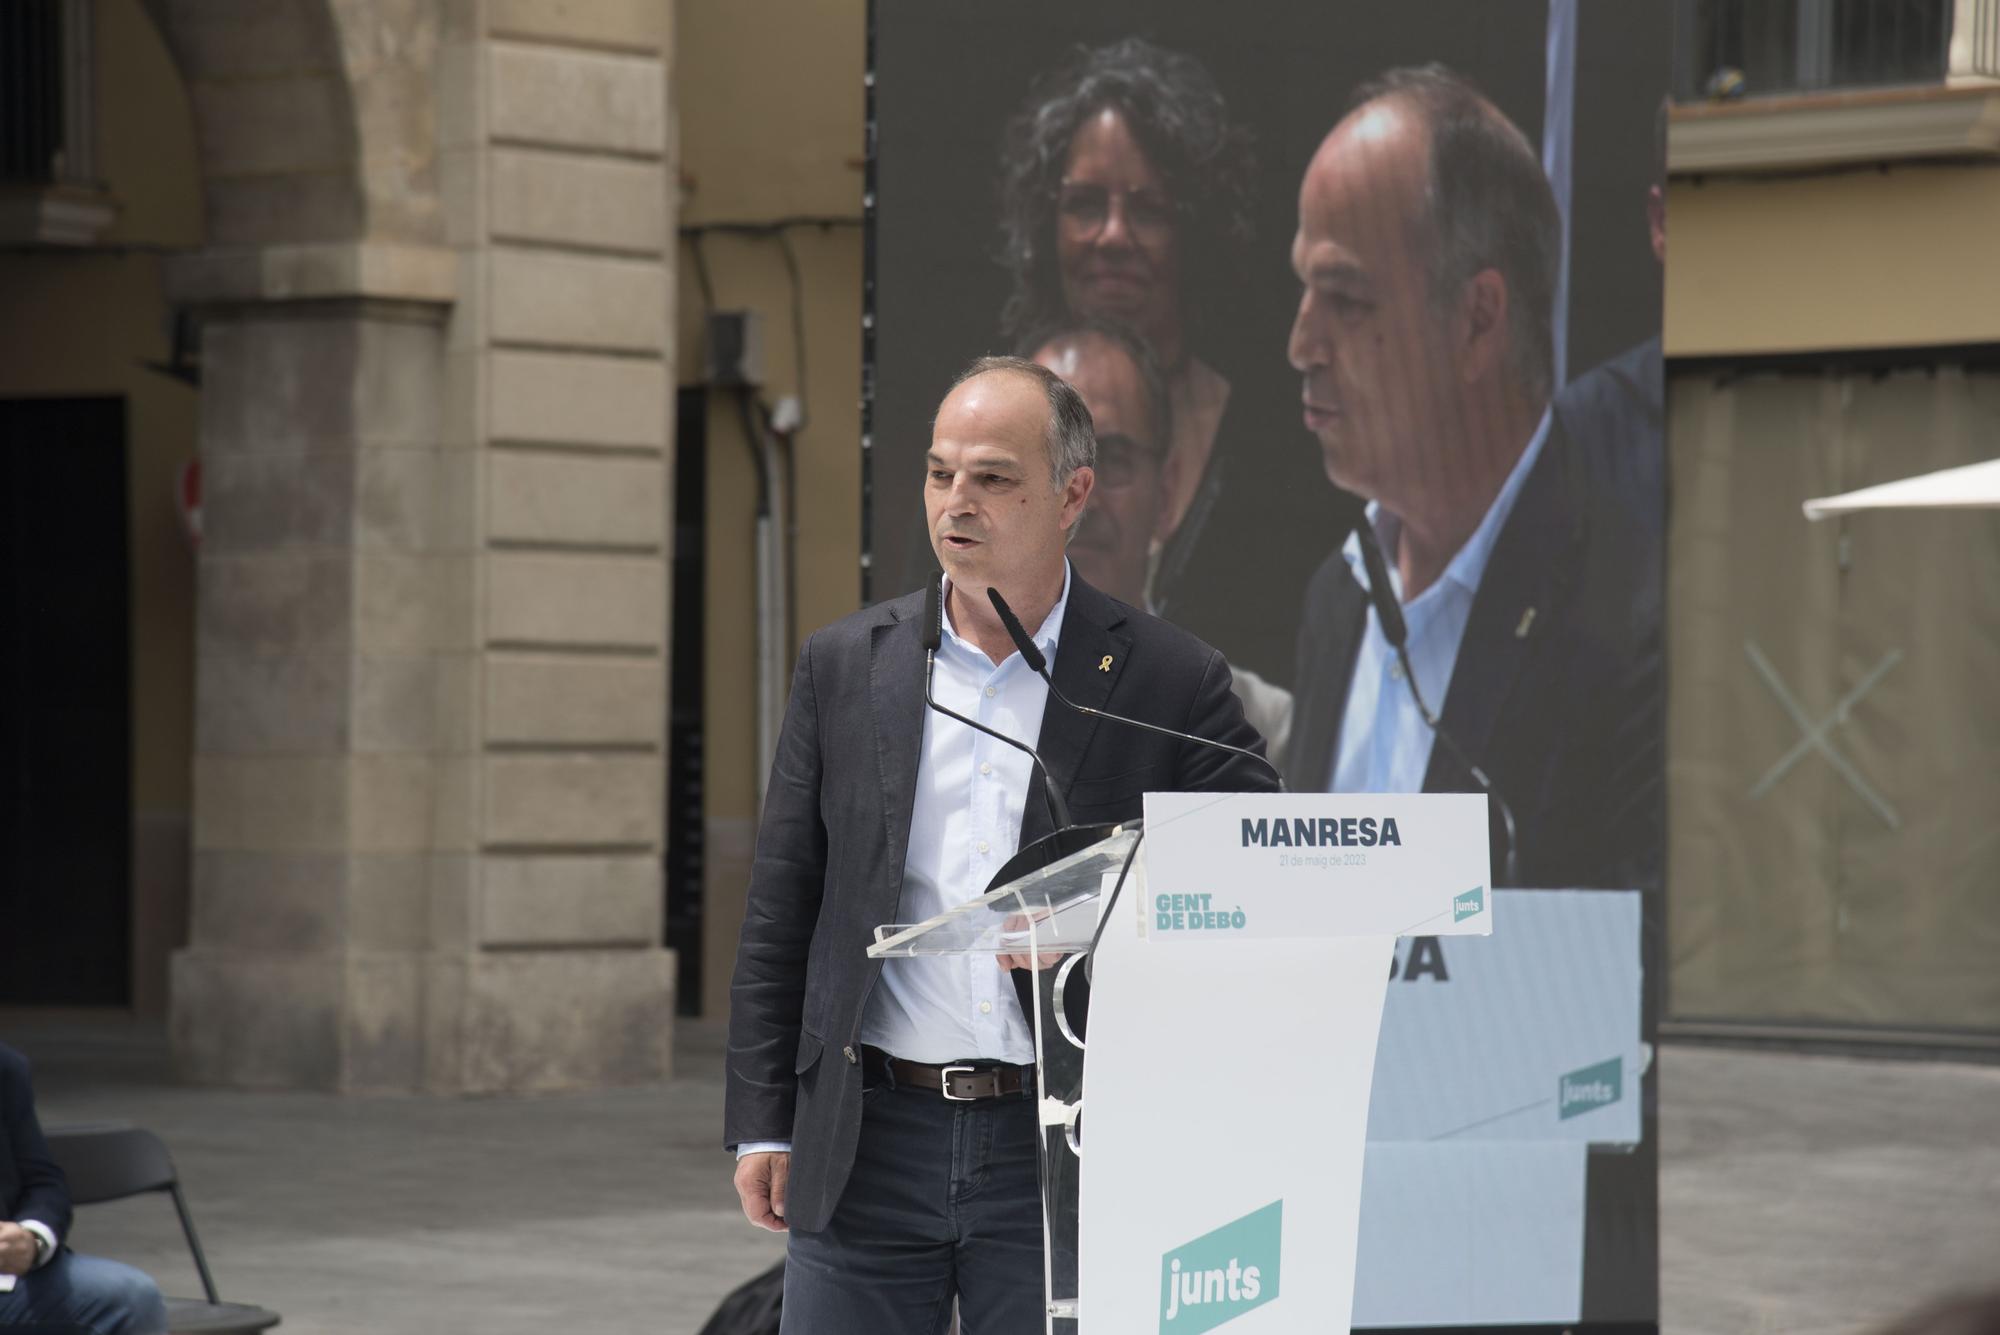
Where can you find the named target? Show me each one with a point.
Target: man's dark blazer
(836, 826)
(32, 1185)
(1557, 690)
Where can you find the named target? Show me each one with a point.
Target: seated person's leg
(107, 1296)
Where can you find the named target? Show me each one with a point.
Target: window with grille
(46, 126)
(1759, 48)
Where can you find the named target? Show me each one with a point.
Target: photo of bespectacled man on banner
(1329, 277)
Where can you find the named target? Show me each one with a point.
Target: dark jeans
(106, 1296)
(945, 1200)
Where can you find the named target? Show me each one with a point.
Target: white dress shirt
(1385, 745)
(971, 791)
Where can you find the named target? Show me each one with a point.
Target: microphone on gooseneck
(933, 639)
(1397, 632)
(1039, 664)
(1387, 610)
(933, 629)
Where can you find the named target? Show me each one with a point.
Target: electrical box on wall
(735, 357)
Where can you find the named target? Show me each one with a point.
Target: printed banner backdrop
(1530, 1035)
(1503, 1061)
(1302, 275)
(1456, 1235)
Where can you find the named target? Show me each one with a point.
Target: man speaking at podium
(903, 1186)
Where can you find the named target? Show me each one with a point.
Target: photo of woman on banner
(1125, 197)
(1123, 181)
(1427, 255)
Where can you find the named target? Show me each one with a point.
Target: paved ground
(583, 1214)
(1822, 1194)
(1799, 1194)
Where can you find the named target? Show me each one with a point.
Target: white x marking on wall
(1817, 734)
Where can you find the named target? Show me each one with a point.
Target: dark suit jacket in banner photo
(1557, 691)
(836, 828)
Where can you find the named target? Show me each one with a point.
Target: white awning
(1975, 486)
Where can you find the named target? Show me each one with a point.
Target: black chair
(110, 1161)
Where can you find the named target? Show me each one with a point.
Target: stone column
(323, 603)
(433, 604)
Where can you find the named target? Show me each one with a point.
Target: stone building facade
(434, 288)
(432, 587)
(401, 283)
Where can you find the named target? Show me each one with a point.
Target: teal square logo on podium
(1469, 905)
(1590, 1088)
(1222, 1274)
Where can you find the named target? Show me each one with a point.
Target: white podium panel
(1226, 1088)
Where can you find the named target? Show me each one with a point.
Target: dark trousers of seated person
(107, 1297)
(945, 1201)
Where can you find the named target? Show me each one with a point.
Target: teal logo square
(1469, 905)
(1222, 1274)
(1589, 1088)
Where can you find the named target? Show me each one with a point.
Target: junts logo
(1589, 1088)
(1468, 905)
(1223, 1274)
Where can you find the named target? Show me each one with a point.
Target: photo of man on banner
(1427, 253)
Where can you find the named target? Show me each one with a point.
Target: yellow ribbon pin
(1104, 664)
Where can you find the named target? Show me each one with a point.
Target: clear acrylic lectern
(1051, 915)
(1236, 977)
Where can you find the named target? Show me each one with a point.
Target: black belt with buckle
(960, 1082)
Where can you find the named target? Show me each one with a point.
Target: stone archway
(427, 756)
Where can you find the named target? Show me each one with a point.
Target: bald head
(999, 503)
(1120, 381)
(1486, 203)
(1378, 154)
(1426, 258)
(1071, 436)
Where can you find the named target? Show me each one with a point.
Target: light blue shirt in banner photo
(1385, 745)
